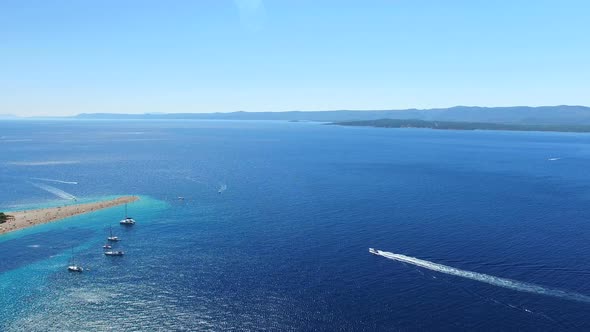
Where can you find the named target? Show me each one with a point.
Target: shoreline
(28, 218)
(463, 125)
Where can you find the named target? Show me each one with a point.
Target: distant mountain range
(544, 115)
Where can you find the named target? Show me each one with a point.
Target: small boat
(128, 221)
(374, 251)
(109, 251)
(73, 267)
(114, 253)
(222, 188)
(112, 238)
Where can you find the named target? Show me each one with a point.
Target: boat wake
(43, 163)
(57, 181)
(488, 279)
(222, 188)
(56, 191)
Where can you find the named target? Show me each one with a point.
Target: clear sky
(62, 57)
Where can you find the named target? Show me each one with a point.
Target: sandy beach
(28, 218)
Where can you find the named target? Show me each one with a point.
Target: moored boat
(73, 266)
(128, 221)
(114, 253)
(111, 237)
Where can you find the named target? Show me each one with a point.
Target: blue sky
(69, 57)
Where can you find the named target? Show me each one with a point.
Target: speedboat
(114, 253)
(75, 268)
(127, 221)
(374, 251)
(107, 246)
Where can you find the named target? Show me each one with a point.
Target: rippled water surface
(277, 218)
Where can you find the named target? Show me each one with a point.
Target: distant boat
(114, 253)
(374, 251)
(73, 267)
(128, 221)
(109, 251)
(222, 188)
(112, 238)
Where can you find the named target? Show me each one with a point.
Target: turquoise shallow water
(284, 245)
(34, 256)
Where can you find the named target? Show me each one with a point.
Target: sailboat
(73, 267)
(112, 252)
(128, 220)
(112, 238)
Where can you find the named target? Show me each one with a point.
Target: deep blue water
(284, 247)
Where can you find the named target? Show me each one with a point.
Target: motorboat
(114, 253)
(127, 221)
(75, 268)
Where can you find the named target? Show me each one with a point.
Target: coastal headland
(28, 218)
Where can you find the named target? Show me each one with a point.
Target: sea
(266, 226)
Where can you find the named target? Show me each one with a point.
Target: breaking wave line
(57, 192)
(57, 181)
(488, 279)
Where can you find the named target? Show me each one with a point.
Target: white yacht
(73, 267)
(128, 220)
(114, 253)
(112, 238)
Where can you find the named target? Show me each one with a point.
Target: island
(15, 220)
(458, 125)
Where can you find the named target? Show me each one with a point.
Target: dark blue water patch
(41, 246)
(284, 247)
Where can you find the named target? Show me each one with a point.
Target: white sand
(28, 218)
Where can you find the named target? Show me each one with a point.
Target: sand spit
(28, 218)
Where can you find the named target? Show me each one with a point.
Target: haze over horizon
(66, 58)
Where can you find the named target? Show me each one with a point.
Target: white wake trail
(488, 279)
(57, 181)
(57, 192)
